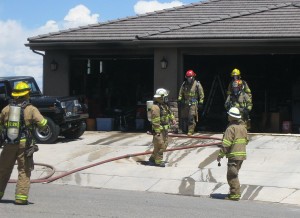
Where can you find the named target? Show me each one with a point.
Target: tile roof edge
(296, 4)
(224, 17)
(122, 19)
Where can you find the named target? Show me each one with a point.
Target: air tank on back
(13, 122)
(149, 106)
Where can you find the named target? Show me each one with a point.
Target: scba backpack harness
(16, 128)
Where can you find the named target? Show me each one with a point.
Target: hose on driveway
(48, 179)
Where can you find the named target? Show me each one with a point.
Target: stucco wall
(56, 83)
(166, 78)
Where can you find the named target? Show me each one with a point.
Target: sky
(22, 19)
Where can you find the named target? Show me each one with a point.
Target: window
(2, 91)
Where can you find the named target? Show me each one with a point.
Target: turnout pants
(9, 155)
(188, 118)
(232, 178)
(160, 145)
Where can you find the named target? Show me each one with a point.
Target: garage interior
(126, 83)
(114, 87)
(273, 79)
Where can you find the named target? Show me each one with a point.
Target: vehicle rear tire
(48, 135)
(76, 132)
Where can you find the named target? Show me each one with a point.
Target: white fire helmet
(234, 112)
(161, 92)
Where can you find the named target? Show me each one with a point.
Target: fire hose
(48, 179)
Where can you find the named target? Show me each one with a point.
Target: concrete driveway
(271, 172)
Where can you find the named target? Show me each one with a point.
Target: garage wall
(56, 83)
(166, 78)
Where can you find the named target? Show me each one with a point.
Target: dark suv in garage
(66, 115)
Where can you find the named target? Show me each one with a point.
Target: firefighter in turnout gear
(161, 119)
(191, 97)
(240, 100)
(236, 75)
(17, 121)
(233, 147)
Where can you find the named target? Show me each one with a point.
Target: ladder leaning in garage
(216, 81)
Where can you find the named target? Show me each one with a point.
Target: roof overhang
(178, 43)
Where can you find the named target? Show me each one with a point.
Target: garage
(113, 86)
(273, 79)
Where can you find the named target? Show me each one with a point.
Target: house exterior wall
(56, 82)
(166, 78)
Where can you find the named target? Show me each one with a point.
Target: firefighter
(190, 99)
(17, 121)
(241, 100)
(236, 75)
(233, 147)
(161, 118)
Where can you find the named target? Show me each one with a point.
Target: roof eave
(220, 42)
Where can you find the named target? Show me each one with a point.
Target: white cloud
(50, 26)
(80, 15)
(142, 7)
(16, 59)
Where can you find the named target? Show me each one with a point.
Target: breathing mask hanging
(165, 99)
(190, 79)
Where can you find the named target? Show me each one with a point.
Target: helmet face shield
(190, 79)
(236, 87)
(235, 77)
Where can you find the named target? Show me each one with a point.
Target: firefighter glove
(30, 150)
(246, 112)
(30, 163)
(179, 102)
(200, 106)
(2, 139)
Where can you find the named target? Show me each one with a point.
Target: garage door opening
(112, 84)
(273, 79)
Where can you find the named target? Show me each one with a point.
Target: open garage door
(113, 84)
(273, 79)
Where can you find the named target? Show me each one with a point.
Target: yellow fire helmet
(235, 72)
(21, 89)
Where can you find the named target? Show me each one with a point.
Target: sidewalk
(271, 172)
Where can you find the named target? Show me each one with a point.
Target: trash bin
(105, 124)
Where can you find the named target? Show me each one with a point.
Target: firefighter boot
(162, 164)
(21, 202)
(21, 199)
(151, 159)
(233, 197)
